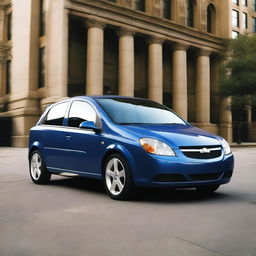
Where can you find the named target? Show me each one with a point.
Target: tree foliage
(5, 51)
(239, 74)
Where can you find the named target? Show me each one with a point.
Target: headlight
(156, 147)
(226, 147)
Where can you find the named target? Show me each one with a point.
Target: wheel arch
(121, 150)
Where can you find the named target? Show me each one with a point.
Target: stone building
(167, 50)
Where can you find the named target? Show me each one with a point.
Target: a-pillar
(179, 80)
(155, 69)
(95, 54)
(126, 62)
(203, 89)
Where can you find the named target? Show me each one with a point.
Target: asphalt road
(72, 217)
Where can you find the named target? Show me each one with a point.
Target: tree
(5, 51)
(239, 75)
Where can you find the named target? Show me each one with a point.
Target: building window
(254, 5)
(9, 26)
(190, 13)
(211, 18)
(254, 25)
(8, 77)
(166, 9)
(41, 68)
(244, 2)
(236, 2)
(42, 18)
(245, 20)
(234, 34)
(140, 5)
(235, 18)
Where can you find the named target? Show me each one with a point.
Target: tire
(207, 189)
(37, 169)
(117, 178)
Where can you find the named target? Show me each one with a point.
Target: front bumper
(181, 171)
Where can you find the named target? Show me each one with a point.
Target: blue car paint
(87, 160)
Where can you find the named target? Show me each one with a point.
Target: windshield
(138, 111)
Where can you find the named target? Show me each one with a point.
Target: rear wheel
(117, 178)
(37, 169)
(207, 189)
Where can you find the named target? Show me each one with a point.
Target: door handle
(68, 137)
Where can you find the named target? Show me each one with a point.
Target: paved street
(72, 217)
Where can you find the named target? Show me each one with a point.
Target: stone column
(126, 62)
(155, 69)
(56, 52)
(179, 80)
(95, 54)
(203, 88)
(226, 119)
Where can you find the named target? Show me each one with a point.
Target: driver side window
(80, 111)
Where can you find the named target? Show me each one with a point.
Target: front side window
(79, 112)
(244, 2)
(56, 114)
(138, 111)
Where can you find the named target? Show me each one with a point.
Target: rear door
(54, 136)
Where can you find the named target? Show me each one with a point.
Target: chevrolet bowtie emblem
(204, 150)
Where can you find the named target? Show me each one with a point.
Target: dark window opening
(9, 26)
(190, 13)
(42, 18)
(210, 18)
(140, 5)
(167, 9)
(8, 77)
(41, 68)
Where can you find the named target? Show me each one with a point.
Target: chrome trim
(69, 150)
(200, 150)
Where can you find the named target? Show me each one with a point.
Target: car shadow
(157, 195)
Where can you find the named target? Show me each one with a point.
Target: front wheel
(117, 178)
(207, 189)
(37, 169)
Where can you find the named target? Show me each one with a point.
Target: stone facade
(170, 53)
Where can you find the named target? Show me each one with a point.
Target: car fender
(124, 151)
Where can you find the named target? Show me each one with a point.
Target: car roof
(106, 97)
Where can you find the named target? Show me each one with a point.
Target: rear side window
(80, 111)
(56, 114)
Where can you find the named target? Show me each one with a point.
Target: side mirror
(89, 125)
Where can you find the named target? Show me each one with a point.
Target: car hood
(175, 135)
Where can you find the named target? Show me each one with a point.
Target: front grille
(169, 178)
(206, 176)
(201, 152)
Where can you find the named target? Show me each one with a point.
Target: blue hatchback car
(127, 142)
